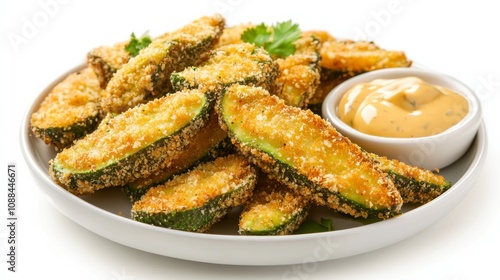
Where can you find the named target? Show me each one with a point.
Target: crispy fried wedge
(299, 73)
(106, 60)
(237, 63)
(274, 209)
(344, 59)
(70, 111)
(195, 200)
(206, 145)
(416, 185)
(303, 151)
(232, 35)
(147, 75)
(134, 144)
(349, 58)
(321, 35)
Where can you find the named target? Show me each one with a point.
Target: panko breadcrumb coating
(195, 200)
(207, 144)
(242, 63)
(415, 184)
(133, 144)
(299, 73)
(274, 209)
(106, 60)
(70, 111)
(147, 75)
(303, 151)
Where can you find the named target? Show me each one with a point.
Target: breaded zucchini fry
(274, 209)
(299, 73)
(416, 185)
(349, 58)
(147, 75)
(133, 144)
(206, 145)
(106, 60)
(232, 35)
(300, 149)
(322, 90)
(341, 60)
(321, 35)
(195, 200)
(70, 111)
(238, 63)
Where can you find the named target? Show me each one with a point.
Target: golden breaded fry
(207, 144)
(322, 90)
(232, 35)
(303, 151)
(147, 75)
(321, 35)
(299, 73)
(195, 200)
(355, 57)
(132, 145)
(274, 209)
(341, 60)
(237, 63)
(70, 111)
(106, 60)
(416, 185)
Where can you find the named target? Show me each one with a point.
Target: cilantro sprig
(311, 226)
(137, 44)
(278, 39)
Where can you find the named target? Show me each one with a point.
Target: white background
(40, 41)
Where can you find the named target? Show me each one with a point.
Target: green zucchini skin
(116, 170)
(194, 55)
(70, 110)
(195, 219)
(207, 144)
(62, 137)
(301, 150)
(216, 187)
(415, 184)
(415, 191)
(147, 75)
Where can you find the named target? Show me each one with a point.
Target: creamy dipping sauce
(404, 108)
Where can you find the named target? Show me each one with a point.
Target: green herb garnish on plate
(311, 226)
(278, 39)
(137, 44)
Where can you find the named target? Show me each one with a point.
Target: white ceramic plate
(107, 214)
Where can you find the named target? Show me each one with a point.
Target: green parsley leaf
(135, 45)
(277, 40)
(284, 36)
(259, 35)
(311, 226)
